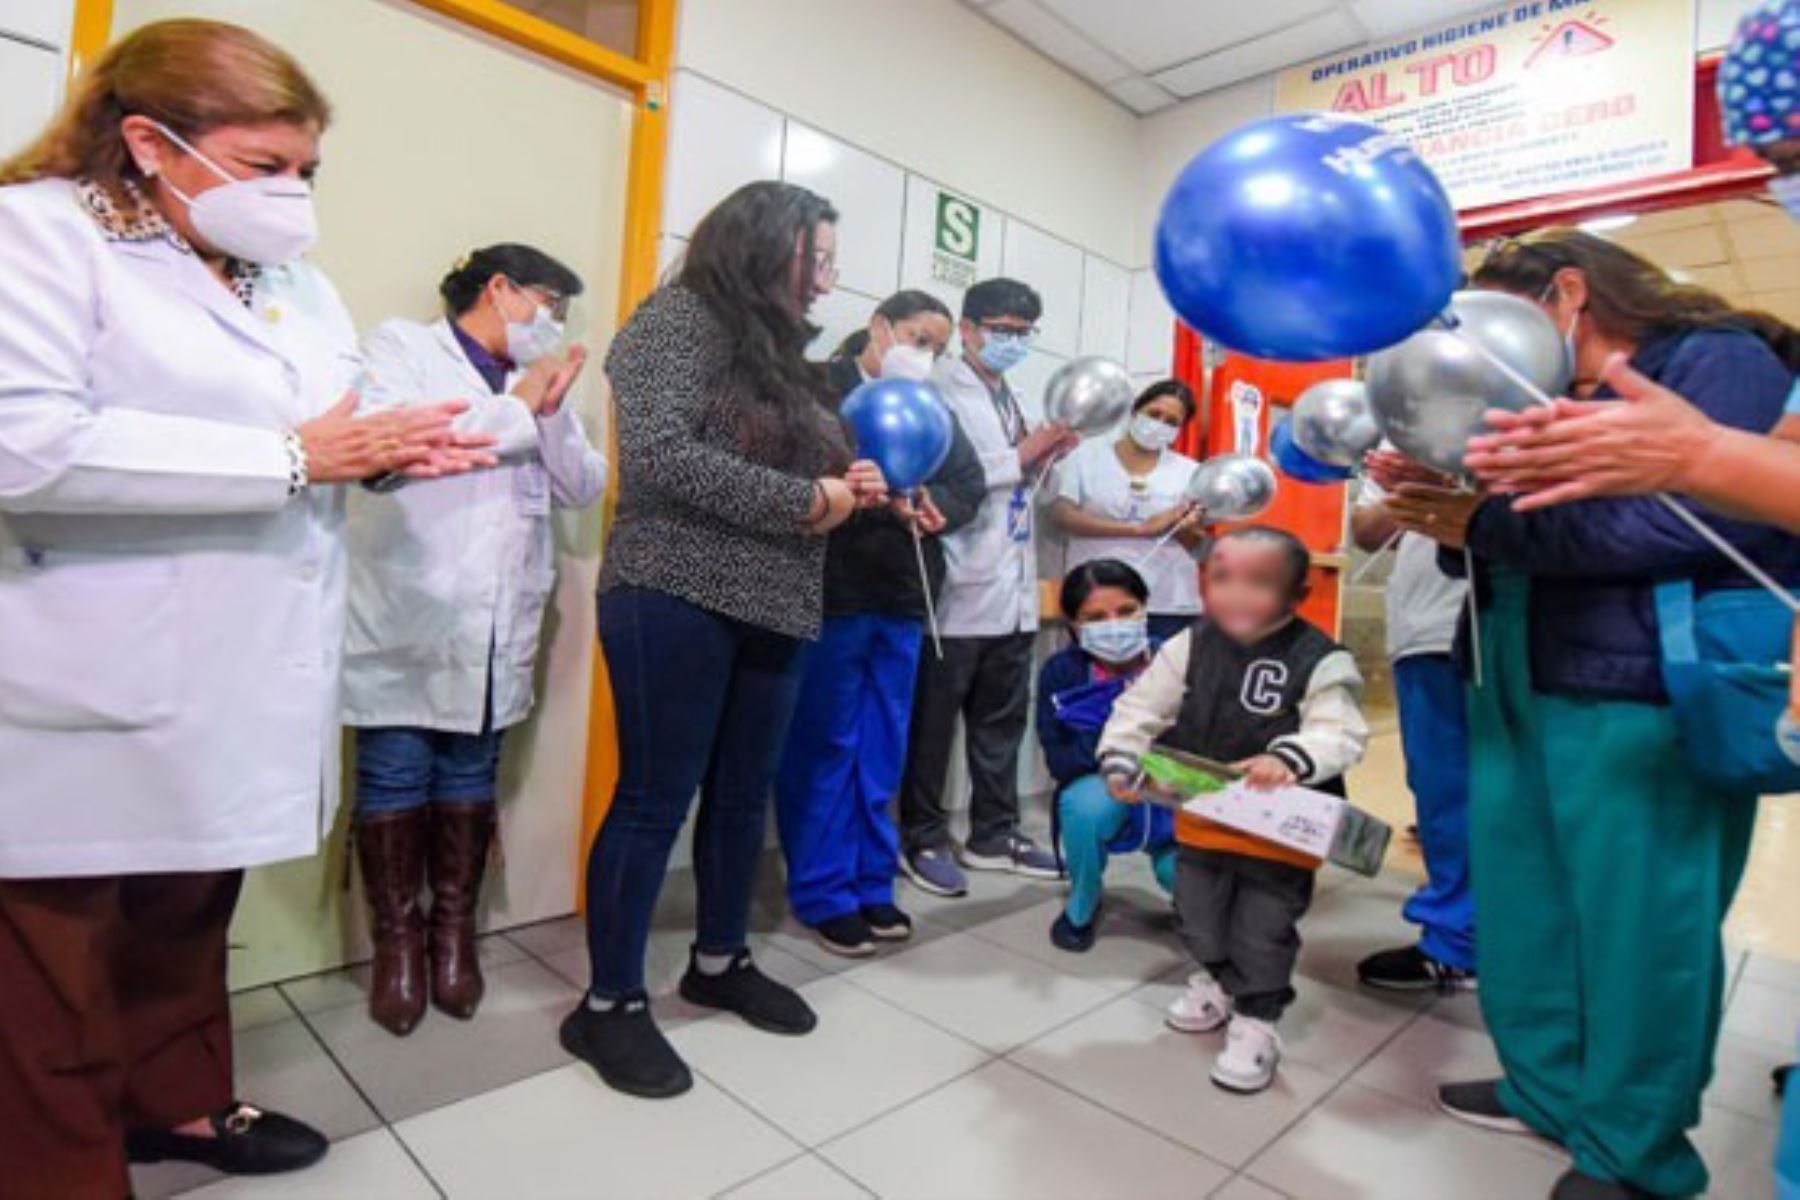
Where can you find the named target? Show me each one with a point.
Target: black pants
(1240, 919)
(987, 682)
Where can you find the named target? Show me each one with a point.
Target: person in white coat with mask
(172, 404)
(448, 584)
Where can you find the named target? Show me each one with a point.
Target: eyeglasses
(825, 268)
(994, 329)
(550, 298)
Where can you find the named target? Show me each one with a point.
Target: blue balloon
(1296, 463)
(903, 426)
(1308, 237)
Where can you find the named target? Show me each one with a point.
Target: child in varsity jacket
(1252, 684)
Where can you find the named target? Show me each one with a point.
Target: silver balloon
(1232, 487)
(1429, 393)
(1089, 395)
(1334, 422)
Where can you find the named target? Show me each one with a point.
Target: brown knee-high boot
(459, 848)
(391, 851)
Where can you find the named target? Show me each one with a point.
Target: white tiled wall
(720, 139)
(34, 36)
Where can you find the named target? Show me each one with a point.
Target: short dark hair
(1299, 558)
(897, 307)
(1002, 298)
(1167, 387)
(526, 266)
(1095, 574)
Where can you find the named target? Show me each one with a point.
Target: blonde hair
(193, 76)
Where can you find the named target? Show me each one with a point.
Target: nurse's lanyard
(1012, 424)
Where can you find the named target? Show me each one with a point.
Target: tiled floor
(976, 1062)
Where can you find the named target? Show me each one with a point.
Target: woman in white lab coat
(171, 589)
(448, 583)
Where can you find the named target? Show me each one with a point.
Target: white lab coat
(445, 572)
(990, 579)
(170, 621)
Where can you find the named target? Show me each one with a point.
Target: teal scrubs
(1603, 870)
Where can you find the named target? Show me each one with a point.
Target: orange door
(1312, 512)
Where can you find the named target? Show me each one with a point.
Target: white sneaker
(1203, 1008)
(1247, 1064)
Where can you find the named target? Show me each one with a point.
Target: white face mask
(901, 361)
(267, 220)
(1150, 433)
(528, 341)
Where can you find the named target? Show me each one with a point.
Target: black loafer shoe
(246, 1141)
(624, 1045)
(742, 989)
(1574, 1185)
(1067, 935)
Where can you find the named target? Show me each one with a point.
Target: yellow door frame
(645, 76)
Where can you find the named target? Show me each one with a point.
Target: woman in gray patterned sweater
(732, 470)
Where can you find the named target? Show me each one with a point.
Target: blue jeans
(845, 755)
(400, 768)
(1090, 819)
(703, 704)
(1434, 728)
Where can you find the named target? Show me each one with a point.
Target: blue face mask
(1001, 352)
(1116, 642)
(1786, 192)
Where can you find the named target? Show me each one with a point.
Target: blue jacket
(1071, 752)
(1594, 564)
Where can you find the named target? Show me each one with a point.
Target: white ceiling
(1150, 54)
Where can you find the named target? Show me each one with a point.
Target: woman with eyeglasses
(1118, 497)
(1603, 863)
(734, 468)
(448, 586)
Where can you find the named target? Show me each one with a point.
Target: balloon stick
(1380, 552)
(1031, 496)
(1706, 532)
(1474, 612)
(1138, 562)
(937, 642)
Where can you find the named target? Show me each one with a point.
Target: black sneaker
(624, 1045)
(848, 935)
(1478, 1103)
(887, 923)
(1574, 1185)
(1410, 969)
(245, 1141)
(741, 988)
(1076, 939)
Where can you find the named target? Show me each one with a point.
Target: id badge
(531, 489)
(1018, 515)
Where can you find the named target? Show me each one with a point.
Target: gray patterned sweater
(701, 516)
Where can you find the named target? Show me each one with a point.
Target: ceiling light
(1609, 223)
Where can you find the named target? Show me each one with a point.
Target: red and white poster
(1527, 99)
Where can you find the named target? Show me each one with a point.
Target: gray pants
(987, 682)
(1240, 919)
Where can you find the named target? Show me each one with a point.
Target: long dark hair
(526, 266)
(897, 307)
(741, 263)
(1629, 296)
(1184, 396)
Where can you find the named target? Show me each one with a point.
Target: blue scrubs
(1434, 727)
(845, 754)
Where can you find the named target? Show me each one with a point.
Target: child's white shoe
(1202, 1008)
(1247, 1064)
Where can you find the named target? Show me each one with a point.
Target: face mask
(901, 361)
(267, 220)
(1001, 352)
(1116, 642)
(1568, 334)
(528, 341)
(1786, 191)
(1150, 433)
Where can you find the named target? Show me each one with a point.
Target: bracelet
(299, 475)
